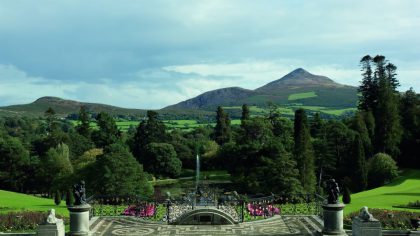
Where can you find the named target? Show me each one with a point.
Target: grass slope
(404, 189)
(11, 201)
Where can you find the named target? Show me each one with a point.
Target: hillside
(11, 201)
(292, 88)
(214, 98)
(401, 191)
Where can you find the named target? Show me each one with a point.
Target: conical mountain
(296, 79)
(297, 87)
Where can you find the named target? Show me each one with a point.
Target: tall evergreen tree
(150, 130)
(387, 119)
(410, 114)
(245, 112)
(303, 152)
(369, 85)
(222, 131)
(108, 132)
(358, 124)
(83, 128)
(359, 166)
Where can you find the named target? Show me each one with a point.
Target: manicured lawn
(11, 201)
(404, 189)
(297, 96)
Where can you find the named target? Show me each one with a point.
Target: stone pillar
(52, 226)
(333, 219)
(79, 219)
(361, 227)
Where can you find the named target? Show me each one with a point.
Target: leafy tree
(56, 167)
(108, 132)
(245, 112)
(83, 128)
(117, 172)
(161, 159)
(256, 131)
(370, 124)
(316, 125)
(222, 132)
(14, 161)
(86, 159)
(382, 169)
(303, 152)
(283, 129)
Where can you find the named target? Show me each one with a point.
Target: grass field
(11, 201)
(297, 96)
(404, 189)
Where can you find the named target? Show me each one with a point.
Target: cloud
(180, 49)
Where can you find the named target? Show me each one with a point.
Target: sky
(151, 54)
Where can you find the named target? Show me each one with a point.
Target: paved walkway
(277, 225)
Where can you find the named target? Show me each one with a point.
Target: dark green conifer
(303, 152)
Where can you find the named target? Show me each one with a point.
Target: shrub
(57, 198)
(389, 219)
(23, 221)
(382, 169)
(346, 196)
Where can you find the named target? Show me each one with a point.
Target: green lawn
(297, 96)
(404, 189)
(11, 201)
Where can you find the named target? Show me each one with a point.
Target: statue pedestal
(366, 228)
(56, 229)
(79, 219)
(333, 219)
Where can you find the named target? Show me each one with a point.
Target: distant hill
(297, 87)
(64, 107)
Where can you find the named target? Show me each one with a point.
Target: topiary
(57, 198)
(346, 196)
(69, 198)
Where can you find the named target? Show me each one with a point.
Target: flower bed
(23, 221)
(260, 210)
(147, 210)
(389, 219)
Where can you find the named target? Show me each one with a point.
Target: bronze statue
(79, 193)
(333, 192)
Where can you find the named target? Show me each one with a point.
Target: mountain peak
(299, 78)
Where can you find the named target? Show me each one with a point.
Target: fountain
(197, 172)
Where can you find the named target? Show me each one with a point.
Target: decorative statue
(365, 215)
(51, 219)
(333, 191)
(79, 193)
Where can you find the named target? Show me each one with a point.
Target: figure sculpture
(51, 219)
(79, 193)
(365, 215)
(333, 191)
